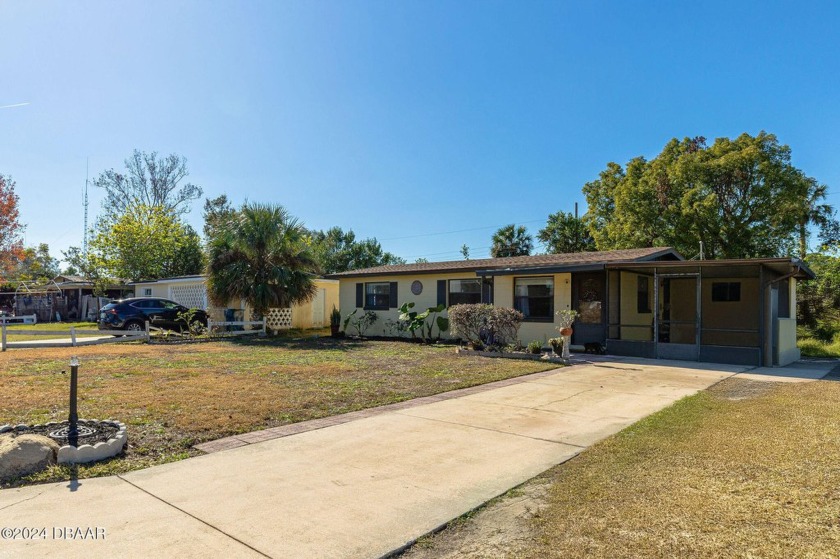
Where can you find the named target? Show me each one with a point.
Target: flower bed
(513, 355)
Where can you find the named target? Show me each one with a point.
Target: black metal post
(73, 430)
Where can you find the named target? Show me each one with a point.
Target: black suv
(132, 314)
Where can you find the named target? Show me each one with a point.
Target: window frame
(728, 295)
(449, 291)
(640, 309)
(380, 307)
(547, 319)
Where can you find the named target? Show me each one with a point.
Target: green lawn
(813, 347)
(174, 396)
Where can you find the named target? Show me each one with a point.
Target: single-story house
(191, 291)
(65, 297)
(647, 302)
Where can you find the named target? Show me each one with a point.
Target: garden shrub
(485, 325)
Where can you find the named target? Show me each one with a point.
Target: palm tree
(511, 241)
(260, 255)
(813, 213)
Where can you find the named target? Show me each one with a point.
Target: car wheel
(134, 326)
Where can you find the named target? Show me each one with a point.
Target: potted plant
(565, 319)
(335, 322)
(535, 347)
(556, 345)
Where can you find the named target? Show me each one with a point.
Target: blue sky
(404, 120)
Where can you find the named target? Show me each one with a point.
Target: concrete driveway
(361, 486)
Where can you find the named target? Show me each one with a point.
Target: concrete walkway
(361, 488)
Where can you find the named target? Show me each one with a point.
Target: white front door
(318, 308)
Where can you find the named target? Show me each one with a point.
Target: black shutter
(441, 299)
(392, 295)
(360, 295)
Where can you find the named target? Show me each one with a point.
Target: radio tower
(85, 236)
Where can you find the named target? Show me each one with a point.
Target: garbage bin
(234, 315)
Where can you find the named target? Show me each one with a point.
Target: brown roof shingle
(540, 260)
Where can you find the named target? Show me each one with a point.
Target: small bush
(504, 324)
(470, 321)
(535, 347)
(485, 324)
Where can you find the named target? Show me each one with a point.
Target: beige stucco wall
(503, 297)
(788, 352)
(302, 315)
(634, 322)
(426, 299)
(541, 331)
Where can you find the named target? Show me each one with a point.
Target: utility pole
(85, 235)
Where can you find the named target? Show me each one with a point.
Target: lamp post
(73, 428)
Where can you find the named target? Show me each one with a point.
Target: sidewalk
(360, 488)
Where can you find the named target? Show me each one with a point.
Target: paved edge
(236, 441)
(252, 437)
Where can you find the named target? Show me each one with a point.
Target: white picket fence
(73, 339)
(235, 328)
(25, 319)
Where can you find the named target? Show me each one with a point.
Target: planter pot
(566, 331)
(334, 330)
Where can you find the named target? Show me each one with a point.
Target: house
(191, 291)
(65, 297)
(647, 302)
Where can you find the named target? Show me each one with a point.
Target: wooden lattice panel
(191, 295)
(279, 319)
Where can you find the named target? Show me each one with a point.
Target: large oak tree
(741, 198)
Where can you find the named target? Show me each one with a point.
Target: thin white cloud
(15, 105)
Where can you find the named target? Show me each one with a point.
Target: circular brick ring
(111, 441)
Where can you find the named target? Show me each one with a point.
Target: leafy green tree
(511, 241)
(817, 213)
(742, 198)
(216, 212)
(37, 264)
(150, 181)
(818, 300)
(78, 263)
(261, 255)
(146, 242)
(564, 233)
(11, 245)
(339, 251)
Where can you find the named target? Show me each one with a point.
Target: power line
(458, 231)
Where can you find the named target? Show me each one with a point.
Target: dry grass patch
(175, 396)
(731, 472)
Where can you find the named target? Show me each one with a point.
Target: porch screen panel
(614, 310)
(590, 301)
